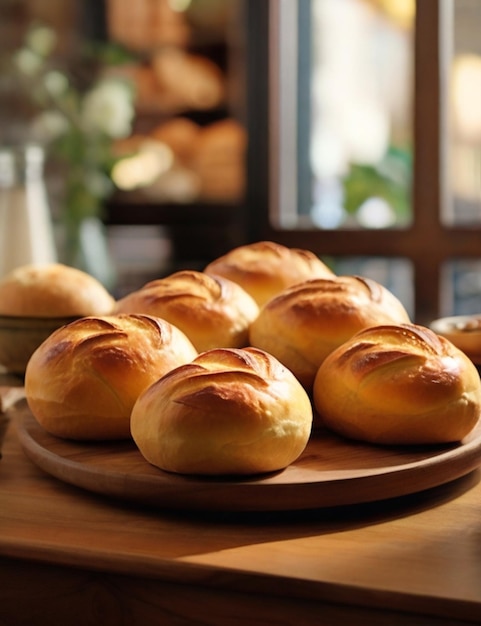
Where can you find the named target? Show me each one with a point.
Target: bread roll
(231, 411)
(53, 290)
(306, 322)
(398, 385)
(212, 311)
(265, 268)
(83, 380)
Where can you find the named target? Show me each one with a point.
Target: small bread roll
(230, 411)
(265, 268)
(398, 385)
(83, 380)
(53, 290)
(306, 322)
(212, 311)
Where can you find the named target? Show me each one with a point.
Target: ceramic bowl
(464, 331)
(21, 336)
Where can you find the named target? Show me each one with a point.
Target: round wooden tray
(332, 471)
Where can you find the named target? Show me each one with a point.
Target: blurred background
(175, 130)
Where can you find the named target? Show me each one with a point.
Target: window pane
(464, 142)
(348, 161)
(395, 274)
(461, 287)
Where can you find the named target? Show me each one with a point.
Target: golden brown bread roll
(212, 311)
(53, 290)
(230, 411)
(83, 380)
(398, 385)
(306, 322)
(266, 268)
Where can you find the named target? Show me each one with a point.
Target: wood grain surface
(332, 471)
(71, 556)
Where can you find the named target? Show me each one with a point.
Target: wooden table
(68, 556)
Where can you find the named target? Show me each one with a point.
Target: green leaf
(389, 180)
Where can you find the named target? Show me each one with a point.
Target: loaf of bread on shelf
(52, 290)
(398, 385)
(230, 411)
(307, 321)
(192, 81)
(219, 160)
(144, 25)
(266, 268)
(181, 135)
(211, 310)
(83, 380)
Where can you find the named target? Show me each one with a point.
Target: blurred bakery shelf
(148, 239)
(188, 68)
(199, 230)
(188, 61)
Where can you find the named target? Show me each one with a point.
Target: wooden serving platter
(331, 472)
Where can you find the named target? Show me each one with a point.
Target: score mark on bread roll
(398, 385)
(266, 268)
(230, 411)
(212, 311)
(53, 290)
(307, 321)
(83, 380)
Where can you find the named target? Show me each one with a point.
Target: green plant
(77, 119)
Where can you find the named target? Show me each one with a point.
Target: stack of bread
(230, 371)
(205, 162)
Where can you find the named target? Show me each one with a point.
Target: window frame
(427, 243)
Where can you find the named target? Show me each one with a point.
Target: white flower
(49, 125)
(41, 40)
(108, 108)
(56, 83)
(27, 62)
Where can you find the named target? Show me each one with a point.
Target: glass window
(375, 144)
(352, 63)
(463, 204)
(394, 273)
(462, 287)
